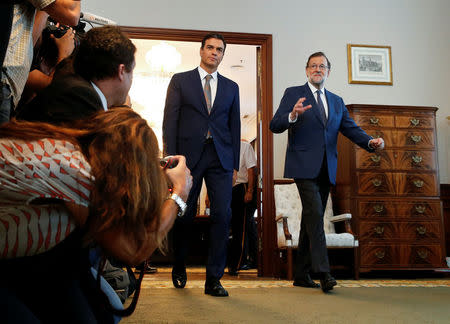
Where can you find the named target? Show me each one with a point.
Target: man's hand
(377, 143)
(299, 108)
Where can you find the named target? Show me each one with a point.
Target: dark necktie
(207, 91)
(321, 107)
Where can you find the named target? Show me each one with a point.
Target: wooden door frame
(267, 239)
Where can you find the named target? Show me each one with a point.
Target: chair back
(288, 204)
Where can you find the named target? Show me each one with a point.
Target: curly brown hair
(129, 186)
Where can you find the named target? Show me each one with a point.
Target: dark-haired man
(314, 117)
(202, 122)
(103, 72)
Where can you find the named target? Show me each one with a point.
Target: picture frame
(369, 64)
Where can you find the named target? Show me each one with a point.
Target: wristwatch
(181, 204)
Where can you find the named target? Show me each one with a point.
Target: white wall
(418, 32)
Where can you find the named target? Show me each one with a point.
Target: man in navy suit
(314, 117)
(202, 122)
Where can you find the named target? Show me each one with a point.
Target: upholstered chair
(288, 213)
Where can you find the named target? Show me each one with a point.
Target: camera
(168, 162)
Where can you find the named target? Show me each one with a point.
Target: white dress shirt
(101, 95)
(212, 82)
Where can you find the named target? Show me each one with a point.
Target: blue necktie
(321, 107)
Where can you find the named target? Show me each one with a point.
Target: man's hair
(317, 54)
(129, 187)
(101, 52)
(214, 35)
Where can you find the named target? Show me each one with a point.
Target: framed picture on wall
(369, 64)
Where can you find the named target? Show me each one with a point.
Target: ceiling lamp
(163, 58)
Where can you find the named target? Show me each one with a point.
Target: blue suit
(311, 160)
(185, 127)
(310, 140)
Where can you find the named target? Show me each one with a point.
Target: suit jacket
(309, 138)
(186, 119)
(69, 97)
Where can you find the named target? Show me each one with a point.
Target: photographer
(16, 47)
(55, 43)
(81, 197)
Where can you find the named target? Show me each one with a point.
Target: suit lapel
(219, 91)
(198, 89)
(331, 108)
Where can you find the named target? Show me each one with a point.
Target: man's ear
(121, 72)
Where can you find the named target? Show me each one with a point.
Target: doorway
(264, 142)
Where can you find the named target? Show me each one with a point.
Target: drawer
(413, 209)
(418, 209)
(415, 160)
(379, 256)
(414, 121)
(401, 256)
(397, 183)
(370, 183)
(396, 160)
(374, 120)
(424, 255)
(413, 139)
(420, 184)
(421, 231)
(383, 160)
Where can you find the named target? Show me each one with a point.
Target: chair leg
(289, 263)
(356, 263)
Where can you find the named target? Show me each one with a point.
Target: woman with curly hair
(65, 190)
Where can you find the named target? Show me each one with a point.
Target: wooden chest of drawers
(393, 194)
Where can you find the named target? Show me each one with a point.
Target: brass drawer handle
(421, 230)
(416, 138)
(420, 209)
(375, 158)
(378, 208)
(379, 229)
(414, 121)
(377, 182)
(417, 159)
(374, 120)
(380, 254)
(422, 254)
(418, 183)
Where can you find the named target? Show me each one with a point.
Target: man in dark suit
(101, 79)
(202, 122)
(314, 117)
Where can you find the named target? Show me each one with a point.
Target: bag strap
(131, 308)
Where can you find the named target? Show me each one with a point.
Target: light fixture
(163, 58)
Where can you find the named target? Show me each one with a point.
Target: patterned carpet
(248, 279)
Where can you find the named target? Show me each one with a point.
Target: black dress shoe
(214, 288)
(327, 282)
(179, 278)
(148, 269)
(305, 281)
(232, 272)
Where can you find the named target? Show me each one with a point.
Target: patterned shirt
(19, 54)
(39, 169)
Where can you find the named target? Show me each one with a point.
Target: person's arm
(40, 21)
(66, 12)
(251, 184)
(121, 244)
(171, 115)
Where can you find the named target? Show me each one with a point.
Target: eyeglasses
(321, 67)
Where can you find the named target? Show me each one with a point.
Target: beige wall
(418, 32)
